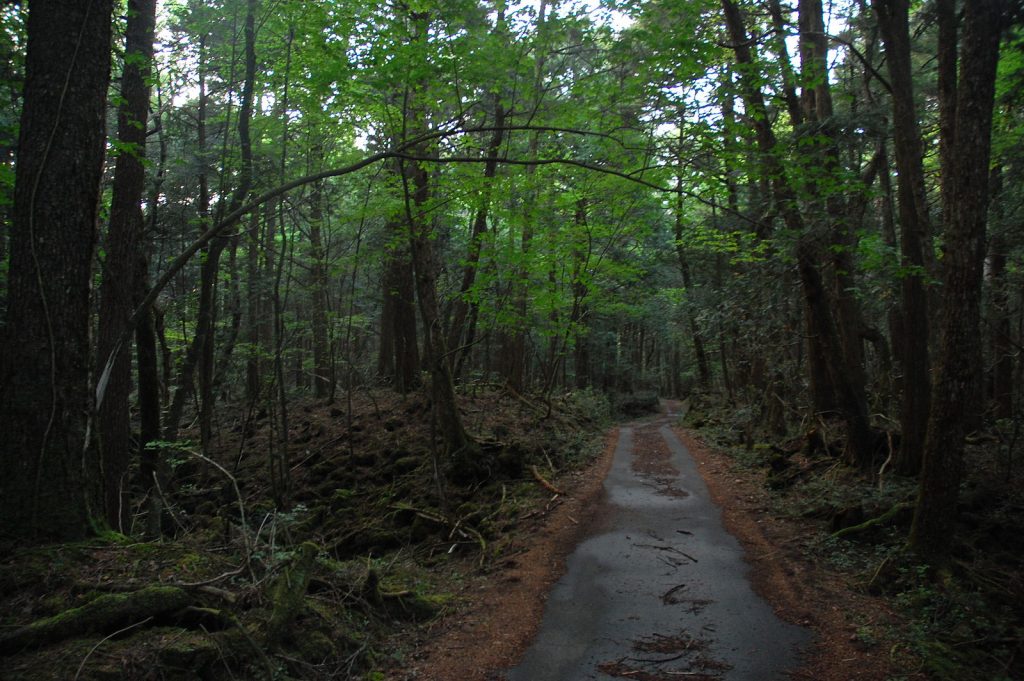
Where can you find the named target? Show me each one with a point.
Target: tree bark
(117, 298)
(45, 486)
(323, 368)
(965, 205)
(399, 357)
(825, 345)
(912, 346)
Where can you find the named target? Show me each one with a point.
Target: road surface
(660, 589)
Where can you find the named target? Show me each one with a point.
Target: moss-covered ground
(960, 622)
(372, 537)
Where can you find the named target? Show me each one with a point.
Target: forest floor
(822, 550)
(387, 565)
(503, 612)
(376, 534)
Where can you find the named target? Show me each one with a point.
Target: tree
(47, 488)
(964, 211)
(912, 344)
(123, 253)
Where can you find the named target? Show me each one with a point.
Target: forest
(293, 291)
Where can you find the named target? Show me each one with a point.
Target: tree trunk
(117, 298)
(280, 476)
(965, 205)
(399, 358)
(696, 337)
(825, 346)
(184, 383)
(253, 321)
(421, 244)
(460, 338)
(459, 447)
(150, 472)
(1001, 373)
(323, 369)
(912, 346)
(512, 363)
(44, 369)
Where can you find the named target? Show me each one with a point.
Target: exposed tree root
(103, 615)
(872, 522)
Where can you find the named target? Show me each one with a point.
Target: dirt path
(659, 589)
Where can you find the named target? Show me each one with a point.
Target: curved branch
(400, 152)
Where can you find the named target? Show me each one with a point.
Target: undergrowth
(964, 622)
(377, 536)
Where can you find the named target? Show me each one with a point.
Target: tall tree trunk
(781, 30)
(184, 382)
(513, 357)
(459, 447)
(1001, 373)
(458, 332)
(149, 402)
(824, 341)
(965, 205)
(463, 321)
(696, 337)
(280, 476)
(912, 346)
(458, 444)
(323, 369)
(253, 321)
(399, 357)
(201, 352)
(44, 363)
(117, 298)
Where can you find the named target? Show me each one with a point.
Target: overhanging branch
(399, 151)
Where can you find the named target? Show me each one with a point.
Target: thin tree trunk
(252, 310)
(463, 306)
(126, 231)
(513, 359)
(697, 338)
(893, 21)
(323, 370)
(184, 382)
(279, 462)
(1001, 373)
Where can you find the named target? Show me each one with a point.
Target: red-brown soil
(502, 610)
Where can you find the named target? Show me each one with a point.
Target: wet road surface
(660, 589)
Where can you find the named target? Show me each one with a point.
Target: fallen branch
(457, 527)
(543, 482)
(106, 638)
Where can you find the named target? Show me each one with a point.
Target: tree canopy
(808, 210)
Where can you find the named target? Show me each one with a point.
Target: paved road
(659, 590)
